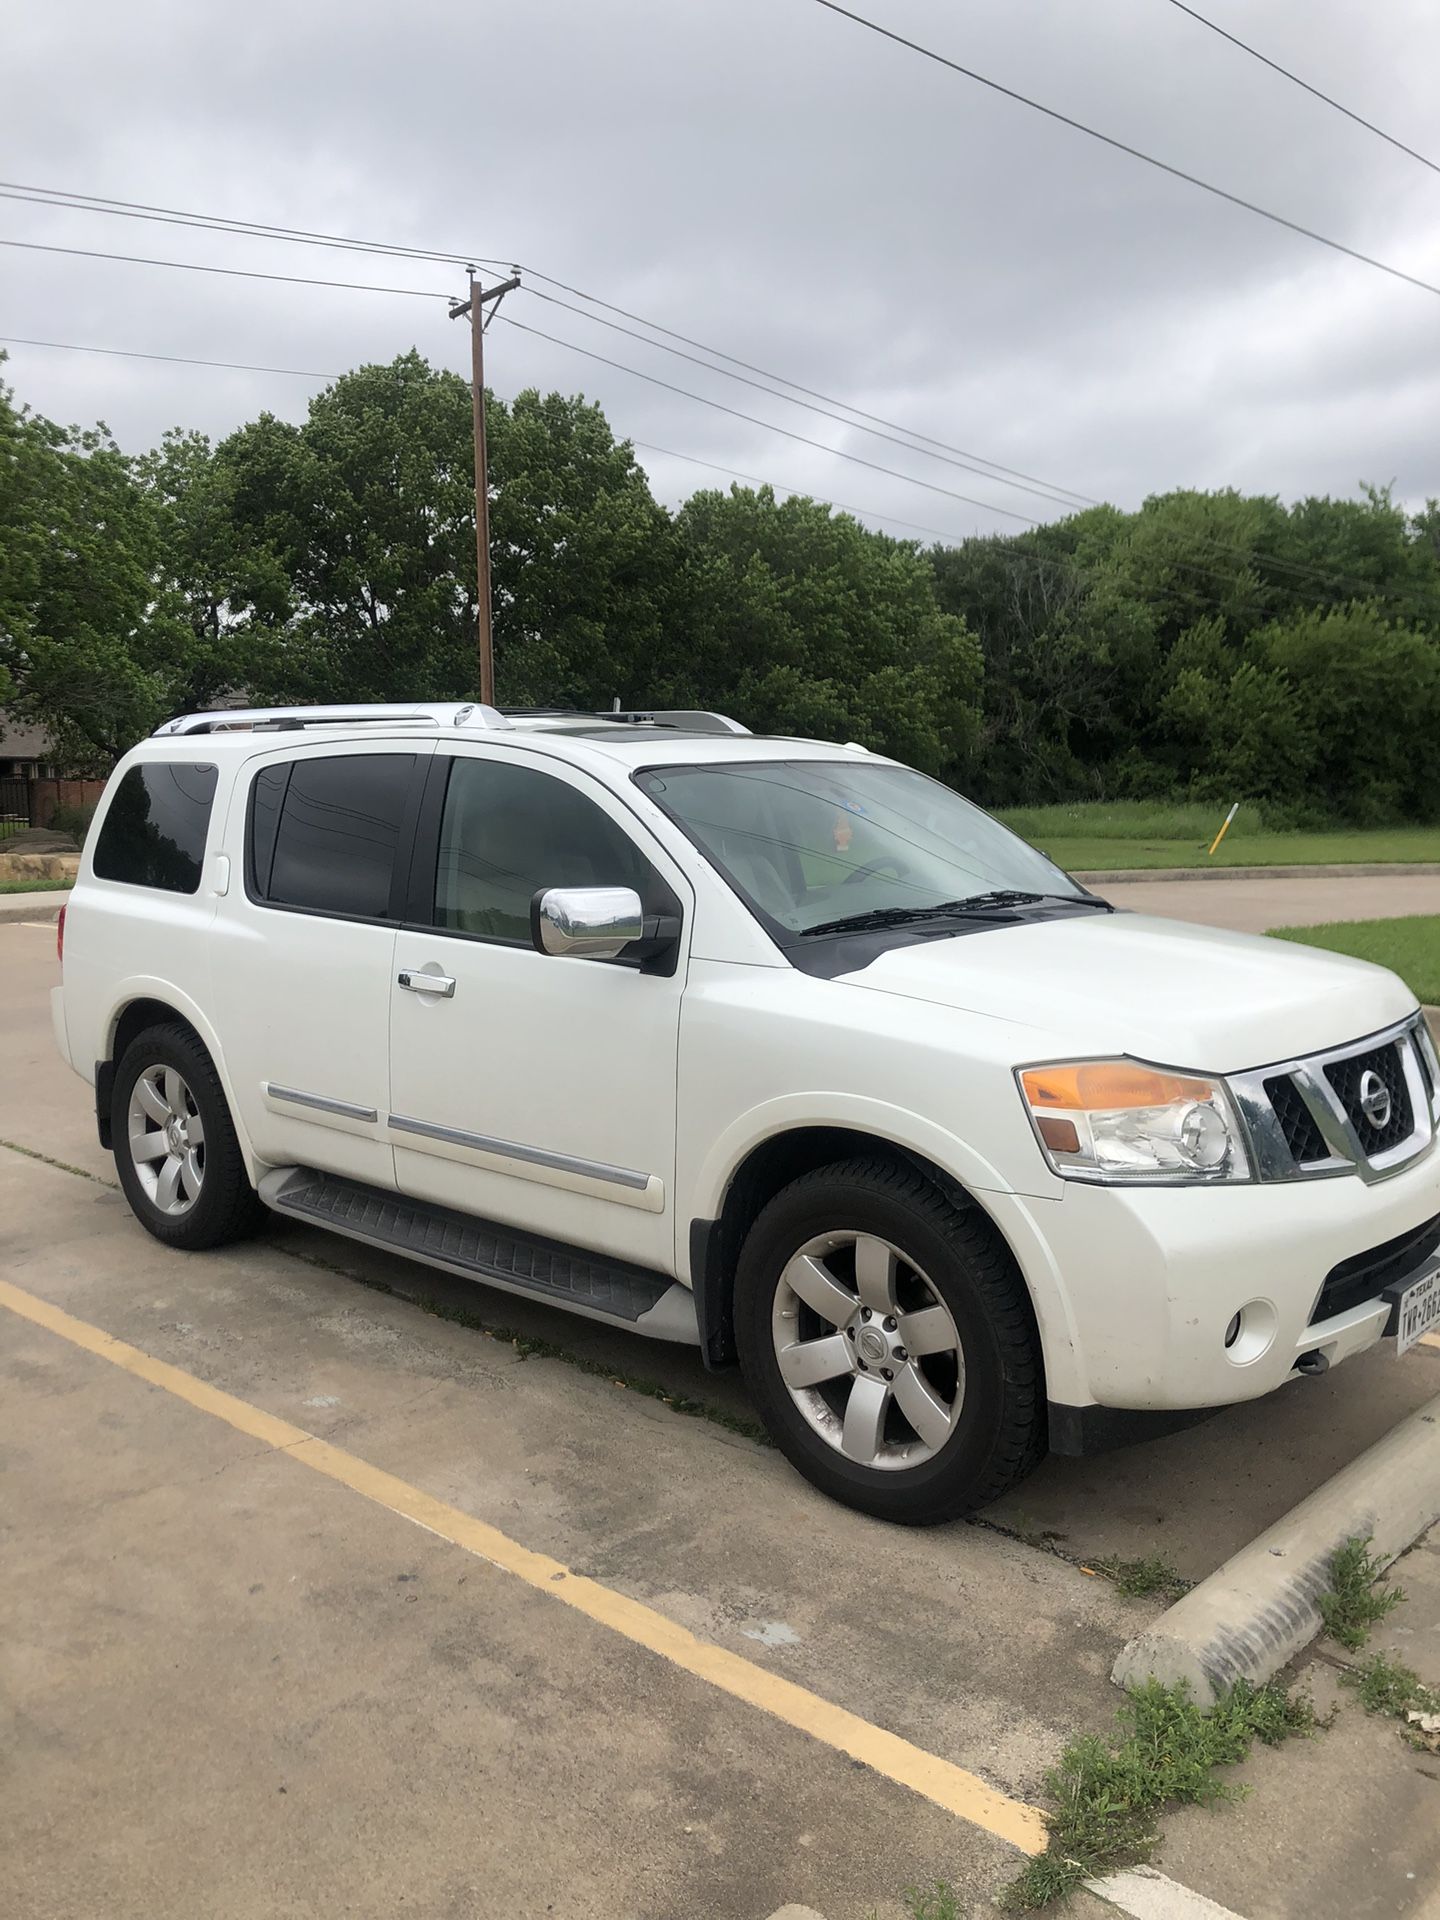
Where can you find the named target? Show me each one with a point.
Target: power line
(178, 359)
(1044, 493)
(1274, 562)
(1294, 78)
(223, 223)
(256, 229)
(1013, 554)
(879, 420)
(758, 480)
(216, 223)
(769, 425)
(301, 373)
(239, 273)
(1122, 146)
(1246, 554)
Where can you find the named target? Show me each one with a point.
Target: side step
(587, 1283)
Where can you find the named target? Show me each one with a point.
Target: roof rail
(686, 719)
(286, 719)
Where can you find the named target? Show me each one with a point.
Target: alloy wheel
(868, 1350)
(166, 1139)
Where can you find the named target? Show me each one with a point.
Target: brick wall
(47, 795)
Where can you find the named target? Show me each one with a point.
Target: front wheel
(175, 1146)
(888, 1338)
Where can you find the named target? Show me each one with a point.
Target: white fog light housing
(1124, 1123)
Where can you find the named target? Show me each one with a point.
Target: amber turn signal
(1059, 1134)
(1105, 1086)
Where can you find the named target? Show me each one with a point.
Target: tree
(355, 562)
(354, 540)
(1369, 693)
(89, 635)
(578, 551)
(797, 619)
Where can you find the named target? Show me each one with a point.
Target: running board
(591, 1284)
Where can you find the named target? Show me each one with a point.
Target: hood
(1168, 991)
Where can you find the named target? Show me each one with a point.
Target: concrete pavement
(41, 905)
(253, 1692)
(1255, 904)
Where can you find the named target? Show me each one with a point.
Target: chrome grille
(1348, 1077)
(1297, 1123)
(1307, 1119)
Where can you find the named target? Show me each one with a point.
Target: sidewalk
(42, 905)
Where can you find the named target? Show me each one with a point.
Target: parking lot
(332, 1585)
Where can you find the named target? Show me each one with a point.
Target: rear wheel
(889, 1341)
(175, 1146)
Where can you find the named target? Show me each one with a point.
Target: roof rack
(686, 719)
(287, 719)
(683, 719)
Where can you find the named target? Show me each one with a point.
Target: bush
(72, 820)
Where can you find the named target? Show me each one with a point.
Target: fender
(148, 987)
(1014, 1214)
(791, 1111)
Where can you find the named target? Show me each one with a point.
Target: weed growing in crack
(1354, 1602)
(1165, 1752)
(1139, 1579)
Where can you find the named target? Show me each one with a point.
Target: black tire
(998, 1435)
(226, 1206)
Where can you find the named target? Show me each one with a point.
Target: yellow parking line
(948, 1786)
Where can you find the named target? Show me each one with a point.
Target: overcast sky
(771, 179)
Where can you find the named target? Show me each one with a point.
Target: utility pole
(475, 307)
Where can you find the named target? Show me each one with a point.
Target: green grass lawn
(1090, 836)
(1409, 947)
(34, 886)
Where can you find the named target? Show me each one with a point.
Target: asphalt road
(239, 1679)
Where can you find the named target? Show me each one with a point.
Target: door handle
(442, 985)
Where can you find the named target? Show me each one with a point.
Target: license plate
(1416, 1309)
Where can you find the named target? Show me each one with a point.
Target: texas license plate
(1416, 1309)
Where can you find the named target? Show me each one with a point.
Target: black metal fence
(14, 806)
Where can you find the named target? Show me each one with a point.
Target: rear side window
(153, 833)
(323, 833)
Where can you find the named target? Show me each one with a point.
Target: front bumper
(1136, 1287)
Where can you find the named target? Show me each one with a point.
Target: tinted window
(153, 834)
(811, 842)
(508, 831)
(323, 832)
(269, 791)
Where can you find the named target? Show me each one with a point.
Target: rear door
(305, 943)
(530, 1089)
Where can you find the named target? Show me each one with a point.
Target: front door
(534, 1090)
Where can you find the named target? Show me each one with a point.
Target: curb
(1255, 1613)
(1370, 870)
(33, 906)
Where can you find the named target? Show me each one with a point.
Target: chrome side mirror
(594, 923)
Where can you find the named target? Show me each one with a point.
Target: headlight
(1117, 1121)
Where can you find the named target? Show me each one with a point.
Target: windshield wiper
(974, 904)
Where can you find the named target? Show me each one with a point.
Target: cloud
(765, 176)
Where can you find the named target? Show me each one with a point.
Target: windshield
(809, 843)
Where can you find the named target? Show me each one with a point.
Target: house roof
(19, 741)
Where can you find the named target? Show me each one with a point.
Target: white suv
(770, 1046)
